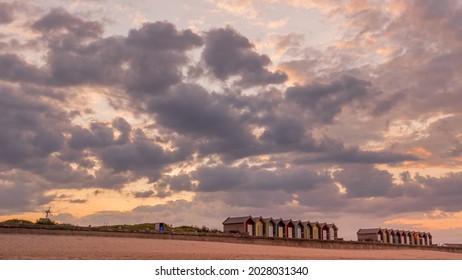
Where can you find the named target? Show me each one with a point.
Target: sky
(188, 112)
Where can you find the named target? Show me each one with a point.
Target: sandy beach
(49, 247)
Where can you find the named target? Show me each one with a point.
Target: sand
(50, 247)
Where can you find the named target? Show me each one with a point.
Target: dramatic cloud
(326, 100)
(34, 128)
(59, 20)
(15, 69)
(204, 119)
(229, 54)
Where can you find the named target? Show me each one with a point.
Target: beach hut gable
(259, 226)
(269, 227)
(239, 225)
(289, 228)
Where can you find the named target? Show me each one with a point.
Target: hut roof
(277, 221)
(332, 226)
(257, 218)
(314, 224)
(236, 220)
(368, 230)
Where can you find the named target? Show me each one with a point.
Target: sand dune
(37, 246)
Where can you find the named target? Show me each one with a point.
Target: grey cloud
(98, 135)
(217, 128)
(283, 134)
(57, 174)
(15, 69)
(224, 178)
(417, 193)
(20, 194)
(148, 37)
(385, 105)
(155, 63)
(141, 156)
(78, 201)
(364, 181)
(146, 62)
(228, 53)
(355, 155)
(35, 142)
(124, 128)
(6, 13)
(326, 199)
(326, 100)
(59, 19)
(190, 109)
(99, 62)
(144, 194)
(182, 182)
(447, 186)
(261, 201)
(27, 119)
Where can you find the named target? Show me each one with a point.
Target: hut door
(258, 229)
(270, 231)
(290, 232)
(280, 232)
(249, 229)
(299, 232)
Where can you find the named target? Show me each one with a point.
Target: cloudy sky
(188, 112)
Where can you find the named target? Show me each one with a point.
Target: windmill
(46, 220)
(48, 212)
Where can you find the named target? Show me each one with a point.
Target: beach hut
(324, 231)
(289, 228)
(393, 239)
(298, 229)
(269, 227)
(280, 228)
(333, 232)
(405, 237)
(307, 230)
(415, 238)
(370, 235)
(239, 225)
(316, 230)
(410, 237)
(421, 239)
(390, 235)
(430, 240)
(259, 226)
(400, 236)
(385, 235)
